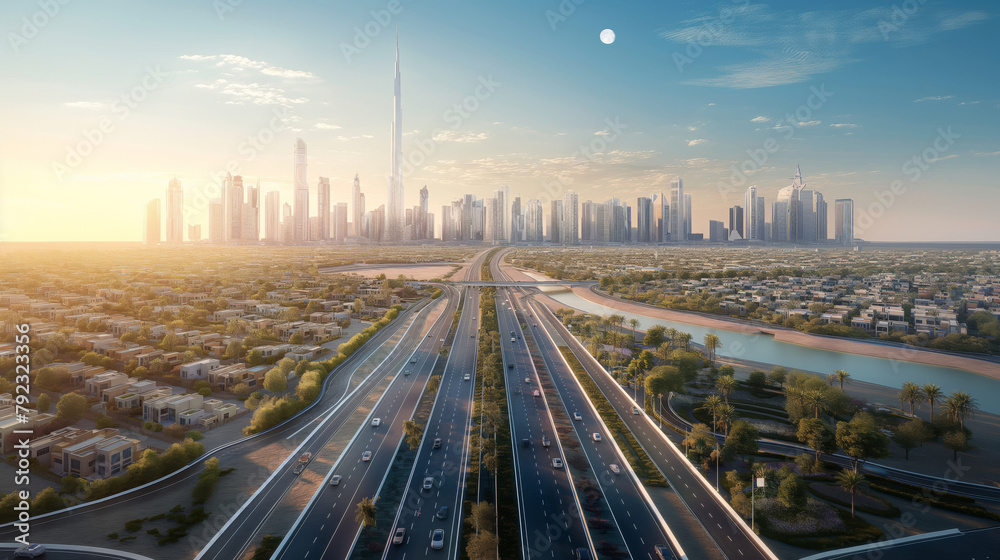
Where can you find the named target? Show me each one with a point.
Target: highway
(335, 388)
(327, 527)
(241, 530)
(551, 524)
(732, 536)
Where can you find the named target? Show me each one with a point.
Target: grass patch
(641, 463)
(863, 502)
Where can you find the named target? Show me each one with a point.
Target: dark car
(29, 551)
(443, 512)
(526, 442)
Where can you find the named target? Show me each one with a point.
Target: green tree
(757, 379)
(852, 481)
(961, 405)
(742, 440)
(241, 389)
(817, 435)
(255, 358)
(365, 513)
(46, 501)
(711, 405)
(911, 434)
(44, 402)
(482, 546)
(911, 393)
(956, 441)
(778, 376)
(105, 421)
(72, 406)
(296, 338)
(413, 433)
(841, 376)
(482, 516)
(207, 479)
(654, 336)
(862, 439)
(53, 378)
(276, 381)
(725, 384)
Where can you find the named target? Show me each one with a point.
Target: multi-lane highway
(337, 385)
(327, 528)
(551, 524)
(732, 536)
(242, 528)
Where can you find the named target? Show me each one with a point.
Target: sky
(896, 106)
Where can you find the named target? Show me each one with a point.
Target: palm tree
(912, 394)
(634, 323)
(960, 405)
(711, 344)
(726, 384)
(814, 399)
(685, 339)
(851, 481)
(830, 378)
(724, 416)
(842, 376)
(932, 393)
(711, 405)
(366, 511)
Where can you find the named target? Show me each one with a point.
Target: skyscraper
(555, 221)
(272, 217)
(570, 222)
(678, 220)
(151, 231)
(645, 231)
(235, 202)
(588, 227)
(821, 219)
(358, 201)
(217, 221)
(323, 208)
(394, 210)
(251, 214)
(844, 226)
(175, 212)
(688, 216)
(753, 227)
(421, 221)
(301, 201)
(661, 218)
(339, 222)
(736, 221)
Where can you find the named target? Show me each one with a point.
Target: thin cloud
(988, 154)
(933, 98)
(242, 63)
(325, 126)
(760, 118)
(460, 137)
(696, 141)
(91, 105)
(808, 123)
(843, 125)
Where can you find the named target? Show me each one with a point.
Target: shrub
(175, 431)
(196, 435)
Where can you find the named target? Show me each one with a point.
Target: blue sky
(700, 90)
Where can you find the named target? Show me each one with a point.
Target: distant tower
(301, 200)
(844, 226)
(420, 224)
(678, 219)
(151, 231)
(358, 200)
(394, 210)
(323, 208)
(175, 212)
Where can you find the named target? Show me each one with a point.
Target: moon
(607, 36)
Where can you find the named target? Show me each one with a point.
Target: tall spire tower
(394, 213)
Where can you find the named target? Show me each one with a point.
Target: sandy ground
(417, 272)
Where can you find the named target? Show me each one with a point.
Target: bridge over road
(528, 283)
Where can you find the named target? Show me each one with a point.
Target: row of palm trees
(959, 405)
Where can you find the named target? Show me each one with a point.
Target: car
(538, 393)
(335, 480)
(545, 441)
(511, 333)
(399, 536)
(527, 380)
(512, 339)
(635, 410)
(525, 442)
(614, 468)
(582, 554)
(518, 335)
(437, 443)
(299, 468)
(510, 366)
(29, 551)
(467, 377)
(473, 335)
(442, 513)
(376, 422)
(556, 463)
(413, 360)
(596, 436)
(428, 482)
(366, 456)
(437, 539)
(577, 416)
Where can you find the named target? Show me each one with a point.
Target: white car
(467, 377)
(556, 462)
(335, 480)
(376, 422)
(428, 482)
(366, 456)
(437, 540)
(577, 416)
(399, 536)
(614, 468)
(29, 551)
(596, 436)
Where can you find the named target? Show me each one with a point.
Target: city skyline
(201, 102)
